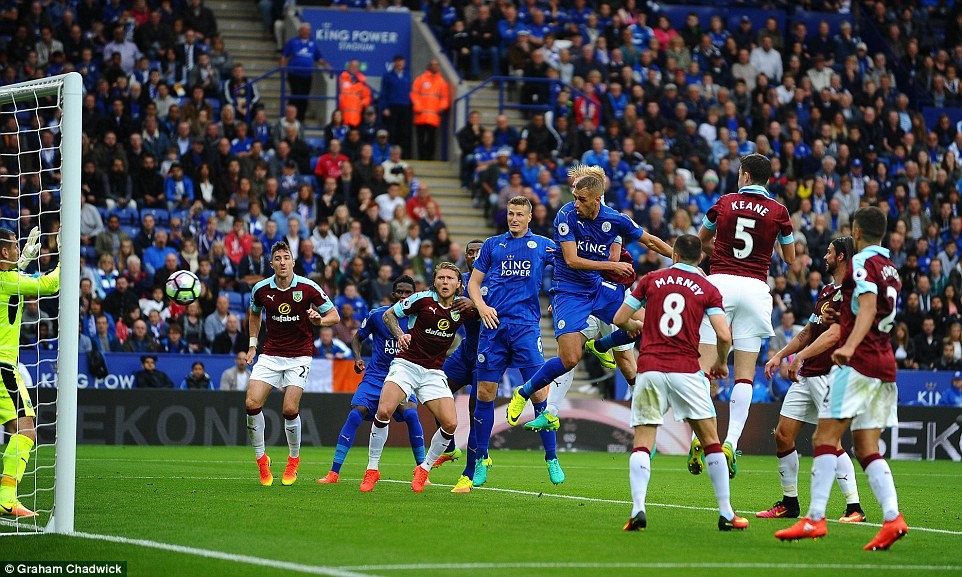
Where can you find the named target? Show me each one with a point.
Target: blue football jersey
(384, 346)
(471, 326)
(513, 268)
(594, 239)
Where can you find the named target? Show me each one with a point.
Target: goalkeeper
(16, 409)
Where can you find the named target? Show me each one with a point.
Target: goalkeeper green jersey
(14, 286)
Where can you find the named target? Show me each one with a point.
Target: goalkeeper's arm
(14, 282)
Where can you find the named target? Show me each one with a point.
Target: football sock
(559, 391)
(451, 446)
(845, 476)
(379, 433)
(292, 427)
(615, 339)
(639, 472)
(472, 455)
(415, 434)
(484, 414)
(823, 473)
(15, 458)
(548, 372)
(880, 478)
(346, 439)
(717, 468)
(741, 401)
(548, 438)
(788, 472)
(438, 443)
(255, 429)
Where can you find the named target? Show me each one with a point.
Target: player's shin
(292, 429)
(880, 479)
(845, 477)
(484, 416)
(548, 372)
(15, 458)
(548, 438)
(559, 391)
(741, 401)
(472, 449)
(823, 475)
(438, 443)
(379, 434)
(255, 430)
(610, 341)
(718, 473)
(788, 472)
(639, 473)
(415, 434)
(346, 438)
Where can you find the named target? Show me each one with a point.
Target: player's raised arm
(825, 341)
(656, 244)
(569, 250)
(391, 322)
(798, 342)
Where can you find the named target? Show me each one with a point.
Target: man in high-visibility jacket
(430, 97)
(355, 94)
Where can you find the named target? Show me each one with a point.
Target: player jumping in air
(585, 230)
(416, 369)
(861, 387)
(677, 300)
(16, 409)
(364, 402)
(293, 305)
(505, 286)
(745, 227)
(813, 360)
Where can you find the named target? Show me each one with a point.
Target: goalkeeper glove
(31, 250)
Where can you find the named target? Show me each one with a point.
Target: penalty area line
(223, 556)
(630, 565)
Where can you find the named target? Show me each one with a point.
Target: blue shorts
(460, 368)
(510, 345)
(368, 394)
(572, 309)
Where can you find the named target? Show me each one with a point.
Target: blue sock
(615, 339)
(415, 434)
(451, 446)
(548, 372)
(484, 414)
(346, 438)
(548, 438)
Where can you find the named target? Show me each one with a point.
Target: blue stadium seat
(246, 301)
(104, 213)
(130, 229)
(316, 143)
(235, 299)
(207, 214)
(89, 253)
(161, 215)
(181, 213)
(127, 215)
(314, 162)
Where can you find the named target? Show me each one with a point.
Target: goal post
(64, 94)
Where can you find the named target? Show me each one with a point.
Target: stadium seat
(104, 213)
(246, 301)
(207, 214)
(127, 215)
(235, 299)
(316, 143)
(161, 215)
(130, 229)
(314, 162)
(89, 253)
(182, 213)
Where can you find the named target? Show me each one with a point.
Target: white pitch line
(668, 505)
(631, 565)
(211, 554)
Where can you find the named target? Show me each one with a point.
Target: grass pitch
(200, 511)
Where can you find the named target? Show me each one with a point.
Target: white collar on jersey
(685, 267)
(753, 189)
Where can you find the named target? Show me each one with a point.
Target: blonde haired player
(293, 305)
(16, 410)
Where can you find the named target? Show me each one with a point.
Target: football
(183, 287)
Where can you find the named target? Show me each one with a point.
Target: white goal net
(40, 176)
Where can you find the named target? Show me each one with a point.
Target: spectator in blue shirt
(178, 188)
(351, 296)
(330, 347)
(301, 53)
(952, 395)
(395, 103)
(156, 254)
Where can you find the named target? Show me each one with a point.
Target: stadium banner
(208, 418)
(326, 376)
(372, 37)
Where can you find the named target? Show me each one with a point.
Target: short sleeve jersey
(830, 297)
(431, 326)
(513, 270)
(746, 226)
(872, 272)
(594, 239)
(676, 300)
(383, 347)
(289, 330)
(302, 54)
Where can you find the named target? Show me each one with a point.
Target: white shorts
(748, 310)
(597, 329)
(686, 393)
(870, 403)
(804, 398)
(279, 372)
(427, 384)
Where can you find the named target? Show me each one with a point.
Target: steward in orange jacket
(355, 94)
(430, 97)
